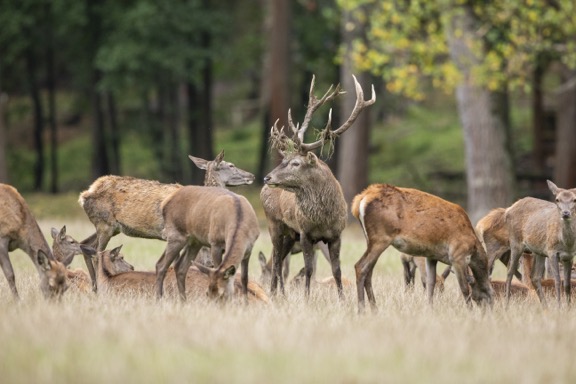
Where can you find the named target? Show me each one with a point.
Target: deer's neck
(322, 202)
(211, 180)
(568, 233)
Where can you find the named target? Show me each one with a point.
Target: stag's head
(53, 281)
(299, 163)
(222, 173)
(565, 200)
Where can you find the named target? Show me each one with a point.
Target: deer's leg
(244, 274)
(308, 252)
(334, 249)
(368, 287)
(282, 246)
(286, 266)
(216, 252)
(408, 274)
(7, 267)
(527, 266)
(567, 277)
(430, 277)
(364, 267)
(555, 269)
(537, 275)
(173, 248)
(515, 253)
(182, 266)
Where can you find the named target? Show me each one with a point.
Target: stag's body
(544, 229)
(19, 229)
(208, 216)
(132, 206)
(309, 206)
(418, 223)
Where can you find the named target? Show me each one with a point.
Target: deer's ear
(262, 259)
(200, 163)
(54, 232)
(229, 272)
(553, 188)
(311, 157)
(115, 252)
(43, 260)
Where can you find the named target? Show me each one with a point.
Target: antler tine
(358, 107)
(293, 127)
(277, 137)
(314, 103)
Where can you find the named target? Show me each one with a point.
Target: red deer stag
(544, 229)
(207, 216)
(419, 223)
(308, 205)
(129, 205)
(19, 229)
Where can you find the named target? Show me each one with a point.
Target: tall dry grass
(93, 339)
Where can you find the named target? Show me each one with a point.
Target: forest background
(476, 101)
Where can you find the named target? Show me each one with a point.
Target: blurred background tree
(99, 86)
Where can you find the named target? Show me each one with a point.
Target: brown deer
(113, 279)
(308, 206)
(207, 216)
(544, 229)
(129, 205)
(493, 234)
(19, 229)
(412, 263)
(64, 248)
(419, 223)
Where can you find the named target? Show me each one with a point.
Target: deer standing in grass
(132, 206)
(418, 223)
(302, 199)
(113, 279)
(207, 216)
(19, 229)
(544, 229)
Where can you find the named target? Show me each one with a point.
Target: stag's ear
(311, 157)
(220, 157)
(553, 188)
(43, 260)
(200, 163)
(229, 272)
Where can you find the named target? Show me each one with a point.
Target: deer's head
(220, 281)
(64, 246)
(222, 173)
(53, 281)
(565, 200)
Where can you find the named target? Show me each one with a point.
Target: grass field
(91, 339)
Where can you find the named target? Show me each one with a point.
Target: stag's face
(294, 171)
(565, 201)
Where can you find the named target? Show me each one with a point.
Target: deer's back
(529, 219)
(492, 227)
(419, 223)
(131, 204)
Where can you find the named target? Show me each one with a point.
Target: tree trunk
(565, 158)
(3, 164)
(489, 176)
(115, 141)
(50, 83)
(174, 154)
(538, 122)
(353, 145)
(277, 75)
(38, 120)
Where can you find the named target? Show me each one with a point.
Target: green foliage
(407, 41)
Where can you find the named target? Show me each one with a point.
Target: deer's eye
(294, 164)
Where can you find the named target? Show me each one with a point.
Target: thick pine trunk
(3, 163)
(489, 167)
(565, 158)
(38, 132)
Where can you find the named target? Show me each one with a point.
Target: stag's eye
(295, 164)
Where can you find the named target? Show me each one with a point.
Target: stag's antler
(283, 143)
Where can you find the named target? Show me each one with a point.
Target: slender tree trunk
(174, 152)
(194, 134)
(38, 120)
(3, 163)
(538, 122)
(206, 97)
(353, 145)
(115, 138)
(50, 83)
(565, 159)
(489, 176)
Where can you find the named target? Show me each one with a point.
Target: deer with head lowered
(302, 199)
(207, 216)
(19, 229)
(129, 205)
(545, 229)
(418, 223)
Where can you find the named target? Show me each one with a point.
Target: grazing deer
(129, 205)
(411, 263)
(113, 279)
(64, 248)
(208, 216)
(308, 206)
(544, 229)
(19, 229)
(419, 223)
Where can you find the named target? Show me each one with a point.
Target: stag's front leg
(282, 245)
(334, 250)
(567, 277)
(430, 278)
(308, 252)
